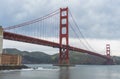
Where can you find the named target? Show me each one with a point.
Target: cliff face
(43, 58)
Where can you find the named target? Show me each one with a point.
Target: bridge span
(27, 39)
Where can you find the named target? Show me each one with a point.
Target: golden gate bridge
(55, 29)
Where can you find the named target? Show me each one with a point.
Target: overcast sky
(97, 19)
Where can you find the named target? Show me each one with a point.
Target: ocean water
(45, 71)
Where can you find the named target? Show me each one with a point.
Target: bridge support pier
(109, 62)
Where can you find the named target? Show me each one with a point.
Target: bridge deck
(27, 39)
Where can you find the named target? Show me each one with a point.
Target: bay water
(46, 71)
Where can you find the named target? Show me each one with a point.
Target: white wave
(29, 69)
(43, 68)
(40, 68)
(5, 71)
(34, 68)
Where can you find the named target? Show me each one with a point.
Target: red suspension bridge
(57, 29)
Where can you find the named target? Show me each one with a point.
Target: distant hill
(37, 57)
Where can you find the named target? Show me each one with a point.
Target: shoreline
(13, 67)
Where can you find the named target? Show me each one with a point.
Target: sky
(98, 20)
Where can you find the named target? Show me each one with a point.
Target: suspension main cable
(80, 31)
(78, 36)
(33, 21)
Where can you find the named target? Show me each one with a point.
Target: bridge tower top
(108, 50)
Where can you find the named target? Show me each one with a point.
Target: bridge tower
(1, 39)
(1, 43)
(64, 34)
(108, 50)
(110, 60)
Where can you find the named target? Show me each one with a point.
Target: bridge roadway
(27, 39)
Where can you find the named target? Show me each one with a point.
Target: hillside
(30, 57)
(37, 57)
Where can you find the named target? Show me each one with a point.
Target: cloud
(96, 19)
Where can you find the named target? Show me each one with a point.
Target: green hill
(30, 57)
(43, 58)
(80, 58)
